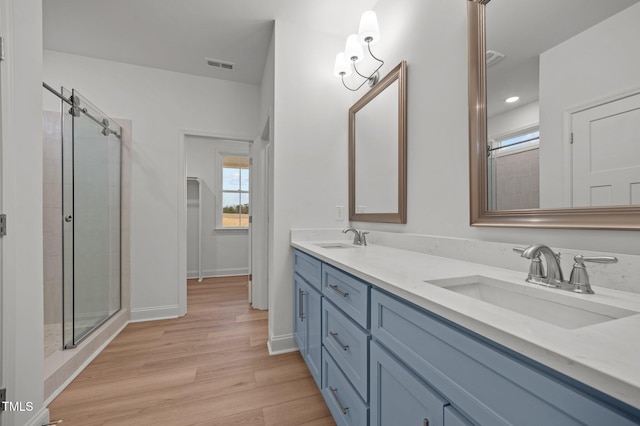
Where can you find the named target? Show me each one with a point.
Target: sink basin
(551, 306)
(335, 245)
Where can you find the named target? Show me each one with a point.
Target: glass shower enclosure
(91, 154)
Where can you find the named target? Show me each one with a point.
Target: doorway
(214, 223)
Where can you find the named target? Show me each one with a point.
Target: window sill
(231, 230)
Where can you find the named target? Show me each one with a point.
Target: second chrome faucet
(359, 237)
(579, 279)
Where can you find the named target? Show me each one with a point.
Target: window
(235, 192)
(516, 142)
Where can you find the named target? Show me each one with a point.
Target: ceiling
(522, 30)
(177, 35)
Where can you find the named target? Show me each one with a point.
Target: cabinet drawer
(347, 293)
(344, 403)
(398, 396)
(349, 346)
(308, 267)
(490, 385)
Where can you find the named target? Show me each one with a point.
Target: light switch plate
(339, 212)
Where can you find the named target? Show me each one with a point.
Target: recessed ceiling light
(512, 99)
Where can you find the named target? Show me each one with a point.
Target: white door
(606, 154)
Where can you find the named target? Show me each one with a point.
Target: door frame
(259, 228)
(182, 205)
(7, 274)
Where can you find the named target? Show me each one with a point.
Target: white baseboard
(40, 418)
(281, 344)
(154, 313)
(213, 273)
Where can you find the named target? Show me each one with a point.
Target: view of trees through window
(235, 192)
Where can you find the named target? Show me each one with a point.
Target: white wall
(22, 251)
(514, 119)
(224, 252)
(310, 152)
(577, 72)
(160, 104)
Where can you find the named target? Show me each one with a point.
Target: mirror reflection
(377, 152)
(572, 136)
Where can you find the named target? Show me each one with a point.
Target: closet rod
(105, 126)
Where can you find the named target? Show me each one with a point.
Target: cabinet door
(313, 318)
(398, 396)
(453, 418)
(299, 323)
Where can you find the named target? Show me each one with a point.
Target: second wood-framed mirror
(377, 151)
(583, 114)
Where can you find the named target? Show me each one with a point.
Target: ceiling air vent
(217, 63)
(493, 57)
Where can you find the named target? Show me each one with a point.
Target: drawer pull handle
(426, 422)
(342, 345)
(334, 392)
(301, 304)
(337, 290)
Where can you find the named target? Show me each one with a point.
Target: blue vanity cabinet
(453, 418)
(345, 338)
(308, 311)
(299, 325)
(348, 293)
(307, 324)
(398, 396)
(485, 382)
(348, 344)
(344, 402)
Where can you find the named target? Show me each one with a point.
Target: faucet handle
(595, 259)
(579, 276)
(363, 237)
(535, 267)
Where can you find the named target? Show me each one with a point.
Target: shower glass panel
(91, 218)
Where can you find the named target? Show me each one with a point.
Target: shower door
(91, 218)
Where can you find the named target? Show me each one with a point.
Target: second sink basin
(334, 245)
(562, 310)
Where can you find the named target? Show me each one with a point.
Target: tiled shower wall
(518, 180)
(52, 226)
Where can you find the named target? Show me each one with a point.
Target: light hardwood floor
(210, 367)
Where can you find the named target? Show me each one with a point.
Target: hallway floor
(210, 367)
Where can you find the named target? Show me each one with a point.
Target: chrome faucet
(359, 237)
(579, 281)
(553, 277)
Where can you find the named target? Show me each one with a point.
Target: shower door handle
(68, 218)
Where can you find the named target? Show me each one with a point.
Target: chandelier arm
(374, 56)
(357, 88)
(345, 84)
(358, 72)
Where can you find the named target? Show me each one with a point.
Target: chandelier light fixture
(368, 34)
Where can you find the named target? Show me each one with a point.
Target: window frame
(221, 191)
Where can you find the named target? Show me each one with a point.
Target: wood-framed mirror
(377, 151)
(579, 98)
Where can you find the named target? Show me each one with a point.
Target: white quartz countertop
(605, 356)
